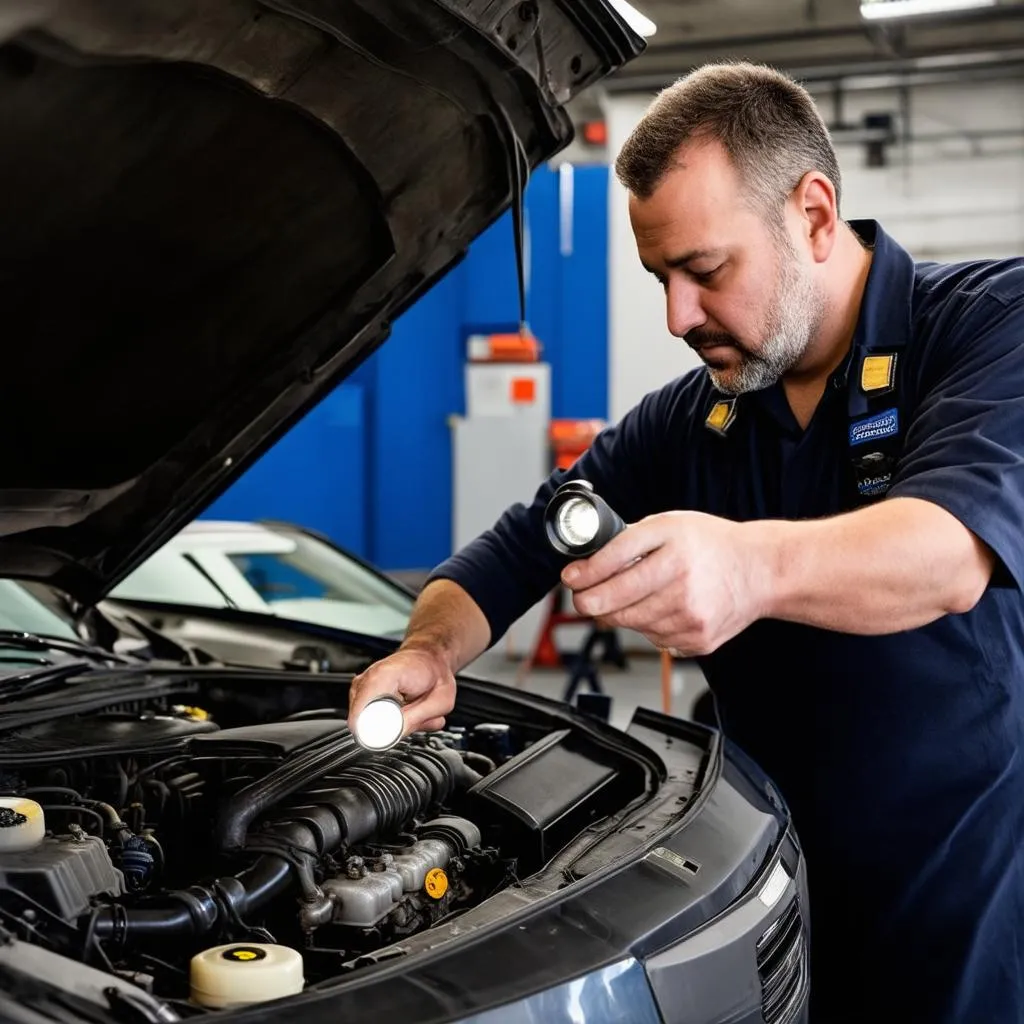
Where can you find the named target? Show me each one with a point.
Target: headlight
(578, 521)
(380, 724)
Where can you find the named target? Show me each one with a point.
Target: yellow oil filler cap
(22, 824)
(241, 973)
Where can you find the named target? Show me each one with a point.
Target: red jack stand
(546, 654)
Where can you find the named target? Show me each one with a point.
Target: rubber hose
(372, 798)
(249, 803)
(196, 911)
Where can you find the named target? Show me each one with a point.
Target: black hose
(60, 790)
(364, 799)
(267, 878)
(78, 809)
(96, 809)
(197, 910)
(471, 757)
(248, 804)
(111, 923)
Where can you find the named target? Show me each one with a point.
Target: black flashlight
(578, 521)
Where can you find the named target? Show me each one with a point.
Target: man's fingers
(645, 616)
(687, 637)
(634, 542)
(628, 588)
(369, 685)
(419, 683)
(420, 714)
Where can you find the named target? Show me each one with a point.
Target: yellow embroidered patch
(721, 416)
(878, 373)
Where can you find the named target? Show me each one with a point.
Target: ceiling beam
(960, 64)
(858, 28)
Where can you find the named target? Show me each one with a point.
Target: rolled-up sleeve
(510, 567)
(965, 444)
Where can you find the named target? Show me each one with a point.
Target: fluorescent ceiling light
(639, 23)
(879, 10)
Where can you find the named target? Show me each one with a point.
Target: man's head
(734, 199)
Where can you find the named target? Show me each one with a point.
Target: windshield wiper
(50, 673)
(24, 659)
(43, 642)
(41, 680)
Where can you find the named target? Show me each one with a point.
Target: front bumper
(748, 966)
(751, 965)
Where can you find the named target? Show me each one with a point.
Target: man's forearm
(448, 622)
(893, 566)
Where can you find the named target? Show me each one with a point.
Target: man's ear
(814, 200)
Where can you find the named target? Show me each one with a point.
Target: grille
(782, 967)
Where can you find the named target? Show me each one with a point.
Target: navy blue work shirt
(901, 756)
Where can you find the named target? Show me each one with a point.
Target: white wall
(949, 199)
(642, 354)
(952, 198)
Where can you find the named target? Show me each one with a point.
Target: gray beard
(798, 309)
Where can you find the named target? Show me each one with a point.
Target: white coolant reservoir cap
(22, 824)
(242, 973)
(380, 724)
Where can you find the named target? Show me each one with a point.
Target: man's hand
(447, 630)
(892, 566)
(418, 677)
(697, 583)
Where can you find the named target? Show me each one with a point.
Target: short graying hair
(767, 123)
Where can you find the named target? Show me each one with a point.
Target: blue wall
(375, 455)
(314, 475)
(418, 384)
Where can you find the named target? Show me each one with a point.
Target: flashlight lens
(380, 724)
(578, 522)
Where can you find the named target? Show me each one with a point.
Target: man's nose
(685, 312)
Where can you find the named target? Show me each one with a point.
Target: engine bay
(229, 837)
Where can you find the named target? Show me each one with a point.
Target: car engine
(157, 835)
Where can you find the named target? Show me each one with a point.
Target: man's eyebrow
(676, 262)
(692, 256)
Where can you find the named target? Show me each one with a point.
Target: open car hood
(215, 209)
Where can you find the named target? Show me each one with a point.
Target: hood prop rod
(518, 169)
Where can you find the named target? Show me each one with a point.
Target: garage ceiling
(823, 40)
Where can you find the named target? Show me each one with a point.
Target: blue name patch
(874, 428)
(874, 485)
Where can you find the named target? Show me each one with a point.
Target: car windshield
(22, 612)
(312, 572)
(275, 571)
(38, 648)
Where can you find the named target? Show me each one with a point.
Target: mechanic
(831, 511)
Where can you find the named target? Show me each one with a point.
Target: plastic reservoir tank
(238, 974)
(22, 824)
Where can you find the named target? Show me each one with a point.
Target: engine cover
(547, 795)
(272, 740)
(62, 874)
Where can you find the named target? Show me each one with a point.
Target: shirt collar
(883, 322)
(885, 317)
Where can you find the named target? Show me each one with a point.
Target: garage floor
(639, 684)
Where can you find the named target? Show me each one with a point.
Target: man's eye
(706, 276)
